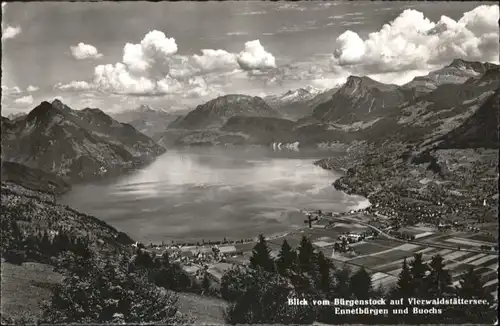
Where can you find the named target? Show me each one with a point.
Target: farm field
(383, 257)
(366, 248)
(467, 242)
(489, 238)
(411, 231)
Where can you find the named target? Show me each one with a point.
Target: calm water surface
(196, 194)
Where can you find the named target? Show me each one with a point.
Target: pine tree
(418, 270)
(61, 242)
(16, 236)
(342, 288)
(405, 287)
(286, 259)
(438, 282)
(45, 245)
(361, 284)
(264, 301)
(261, 257)
(306, 255)
(205, 283)
(472, 287)
(323, 276)
(30, 246)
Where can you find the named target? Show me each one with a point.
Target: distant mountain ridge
(360, 99)
(215, 113)
(362, 109)
(428, 118)
(75, 145)
(457, 72)
(298, 103)
(33, 179)
(146, 119)
(480, 130)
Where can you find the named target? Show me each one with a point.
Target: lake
(212, 193)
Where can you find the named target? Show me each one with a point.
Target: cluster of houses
(198, 260)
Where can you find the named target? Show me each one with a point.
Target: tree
(16, 236)
(438, 282)
(342, 288)
(45, 245)
(286, 259)
(405, 286)
(61, 242)
(261, 257)
(472, 287)
(15, 256)
(234, 283)
(181, 281)
(418, 270)
(323, 277)
(361, 284)
(306, 255)
(107, 293)
(31, 247)
(265, 301)
(403, 289)
(165, 258)
(205, 284)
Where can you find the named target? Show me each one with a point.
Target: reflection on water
(213, 193)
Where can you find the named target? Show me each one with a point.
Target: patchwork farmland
(384, 256)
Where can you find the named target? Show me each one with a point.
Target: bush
(105, 292)
(264, 301)
(16, 257)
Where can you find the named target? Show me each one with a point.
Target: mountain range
(75, 145)
(452, 106)
(298, 103)
(361, 109)
(215, 113)
(146, 119)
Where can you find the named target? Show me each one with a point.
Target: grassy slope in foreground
(24, 287)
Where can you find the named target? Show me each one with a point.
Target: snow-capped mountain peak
(299, 94)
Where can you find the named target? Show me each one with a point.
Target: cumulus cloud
(32, 88)
(24, 100)
(85, 51)
(10, 32)
(198, 88)
(153, 68)
(412, 41)
(74, 86)
(10, 90)
(144, 68)
(151, 54)
(212, 60)
(255, 57)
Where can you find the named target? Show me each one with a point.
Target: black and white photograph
(249, 162)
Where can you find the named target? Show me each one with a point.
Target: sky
(176, 55)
